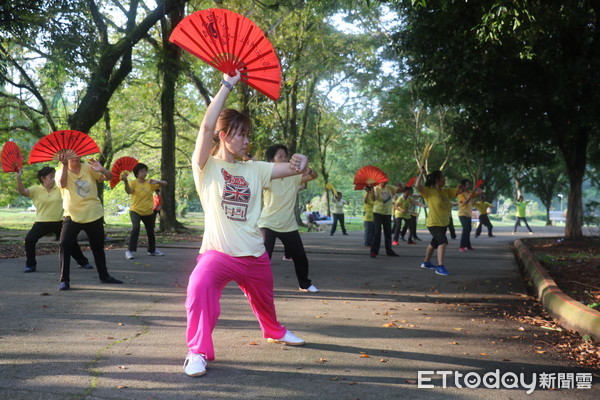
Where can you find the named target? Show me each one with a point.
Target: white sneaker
(311, 289)
(289, 339)
(194, 365)
(129, 255)
(156, 253)
(287, 259)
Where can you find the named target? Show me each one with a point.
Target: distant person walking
(521, 214)
(141, 209)
(438, 199)
(47, 201)
(482, 207)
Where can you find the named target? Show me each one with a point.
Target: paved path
(374, 325)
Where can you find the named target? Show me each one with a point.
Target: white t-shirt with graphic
(230, 194)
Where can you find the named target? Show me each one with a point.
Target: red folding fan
(73, 143)
(368, 175)
(12, 158)
(229, 41)
(479, 182)
(121, 165)
(411, 182)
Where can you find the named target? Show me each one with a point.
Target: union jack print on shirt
(236, 197)
(236, 194)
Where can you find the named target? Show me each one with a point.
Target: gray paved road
(372, 328)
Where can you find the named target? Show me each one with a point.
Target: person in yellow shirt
(278, 220)
(465, 211)
(82, 211)
(48, 216)
(521, 215)
(404, 207)
(438, 199)
(482, 207)
(141, 208)
(233, 247)
(382, 218)
(369, 225)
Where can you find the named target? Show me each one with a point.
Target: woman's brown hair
(230, 121)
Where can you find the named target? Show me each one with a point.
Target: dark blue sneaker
(64, 286)
(427, 265)
(441, 270)
(29, 269)
(86, 266)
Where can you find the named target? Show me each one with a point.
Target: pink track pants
(213, 272)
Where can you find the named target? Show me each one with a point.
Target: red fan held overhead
(72, 143)
(411, 182)
(229, 41)
(12, 158)
(369, 176)
(121, 165)
(478, 184)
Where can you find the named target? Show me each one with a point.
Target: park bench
(315, 220)
(557, 216)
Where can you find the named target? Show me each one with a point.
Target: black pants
(382, 221)
(294, 248)
(336, 218)
(465, 236)
(409, 224)
(41, 229)
(149, 221)
(518, 223)
(413, 225)
(451, 228)
(68, 241)
(484, 220)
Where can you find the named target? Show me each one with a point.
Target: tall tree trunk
(170, 67)
(574, 149)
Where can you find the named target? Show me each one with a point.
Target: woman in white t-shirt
(232, 246)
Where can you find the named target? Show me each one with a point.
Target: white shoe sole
(196, 374)
(286, 343)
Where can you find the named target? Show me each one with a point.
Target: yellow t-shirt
(48, 205)
(482, 207)
(230, 194)
(384, 201)
(404, 204)
(278, 204)
(368, 209)
(439, 204)
(142, 201)
(80, 197)
(465, 205)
